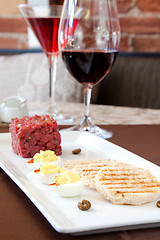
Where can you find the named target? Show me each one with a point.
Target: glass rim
(39, 5)
(25, 9)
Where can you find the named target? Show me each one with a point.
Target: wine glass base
(92, 129)
(62, 120)
(36, 108)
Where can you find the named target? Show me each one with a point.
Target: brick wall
(140, 25)
(13, 29)
(139, 19)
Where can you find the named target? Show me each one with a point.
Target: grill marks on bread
(88, 174)
(69, 164)
(80, 166)
(118, 182)
(125, 184)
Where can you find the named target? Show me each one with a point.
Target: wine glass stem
(87, 90)
(52, 81)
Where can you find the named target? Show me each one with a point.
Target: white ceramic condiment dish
(13, 107)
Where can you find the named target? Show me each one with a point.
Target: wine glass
(44, 21)
(89, 37)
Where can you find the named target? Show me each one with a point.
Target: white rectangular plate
(63, 213)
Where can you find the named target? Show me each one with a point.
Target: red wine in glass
(44, 21)
(88, 66)
(46, 31)
(91, 50)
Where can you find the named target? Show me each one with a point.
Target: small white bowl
(13, 107)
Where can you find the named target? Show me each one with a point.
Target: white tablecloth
(102, 114)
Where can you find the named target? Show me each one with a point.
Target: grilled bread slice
(80, 166)
(88, 174)
(125, 184)
(76, 165)
(69, 164)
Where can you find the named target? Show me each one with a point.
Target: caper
(76, 151)
(158, 204)
(84, 205)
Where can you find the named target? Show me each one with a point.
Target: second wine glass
(44, 21)
(89, 37)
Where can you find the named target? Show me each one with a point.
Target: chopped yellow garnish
(67, 178)
(45, 156)
(51, 168)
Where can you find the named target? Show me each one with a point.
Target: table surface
(20, 219)
(103, 113)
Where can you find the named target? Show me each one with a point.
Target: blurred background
(134, 79)
(139, 19)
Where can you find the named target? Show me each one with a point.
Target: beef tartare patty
(31, 134)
